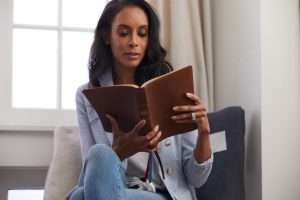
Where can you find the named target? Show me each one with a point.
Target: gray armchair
(226, 181)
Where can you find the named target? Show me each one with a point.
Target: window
(43, 59)
(25, 194)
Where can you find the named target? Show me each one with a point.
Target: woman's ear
(106, 42)
(106, 38)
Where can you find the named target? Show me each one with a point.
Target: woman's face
(129, 37)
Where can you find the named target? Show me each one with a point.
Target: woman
(126, 49)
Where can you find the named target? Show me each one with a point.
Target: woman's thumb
(114, 124)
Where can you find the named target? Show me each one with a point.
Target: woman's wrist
(202, 149)
(119, 154)
(205, 131)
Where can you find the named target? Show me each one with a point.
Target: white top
(136, 168)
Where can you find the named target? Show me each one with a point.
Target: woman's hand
(202, 149)
(187, 111)
(128, 144)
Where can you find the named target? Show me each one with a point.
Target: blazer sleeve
(195, 173)
(86, 135)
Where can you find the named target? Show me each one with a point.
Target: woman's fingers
(154, 141)
(115, 126)
(128, 144)
(138, 127)
(149, 136)
(188, 116)
(184, 108)
(150, 141)
(197, 121)
(194, 97)
(153, 148)
(196, 113)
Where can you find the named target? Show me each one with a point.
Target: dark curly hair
(153, 63)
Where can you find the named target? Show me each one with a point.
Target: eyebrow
(126, 26)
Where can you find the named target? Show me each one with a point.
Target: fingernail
(188, 94)
(175, 108)
(173, 117)
(156, 128)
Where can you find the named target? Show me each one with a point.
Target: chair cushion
(226, 181)
(66, 163)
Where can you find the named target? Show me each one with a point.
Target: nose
(133, 41)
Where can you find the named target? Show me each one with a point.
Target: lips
(132, 55)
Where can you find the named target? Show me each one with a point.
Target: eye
(143, 33)
(123, 33)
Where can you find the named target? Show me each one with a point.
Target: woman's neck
(124, 75)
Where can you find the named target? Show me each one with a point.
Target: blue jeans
(103, 178)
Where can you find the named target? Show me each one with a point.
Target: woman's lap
(100, 170)
(132, 194)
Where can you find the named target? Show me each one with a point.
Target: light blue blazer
(182, 171)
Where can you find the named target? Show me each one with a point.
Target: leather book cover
(152, 101)
(120, 101)
(163, 94)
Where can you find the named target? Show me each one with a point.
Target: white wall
(236, 36)
(256, 59)
(280, 99)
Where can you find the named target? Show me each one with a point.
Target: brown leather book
(153, 101)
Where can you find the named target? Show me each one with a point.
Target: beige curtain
(186, 34)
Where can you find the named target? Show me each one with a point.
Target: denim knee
(101, 153)
(78, 194)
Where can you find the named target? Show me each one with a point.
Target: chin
(132, 64)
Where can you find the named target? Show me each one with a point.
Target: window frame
(17, 118)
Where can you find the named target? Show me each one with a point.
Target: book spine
(144, 110)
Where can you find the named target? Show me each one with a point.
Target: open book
(153, 101)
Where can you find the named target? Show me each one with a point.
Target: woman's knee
(78, 194)
(101, 153)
